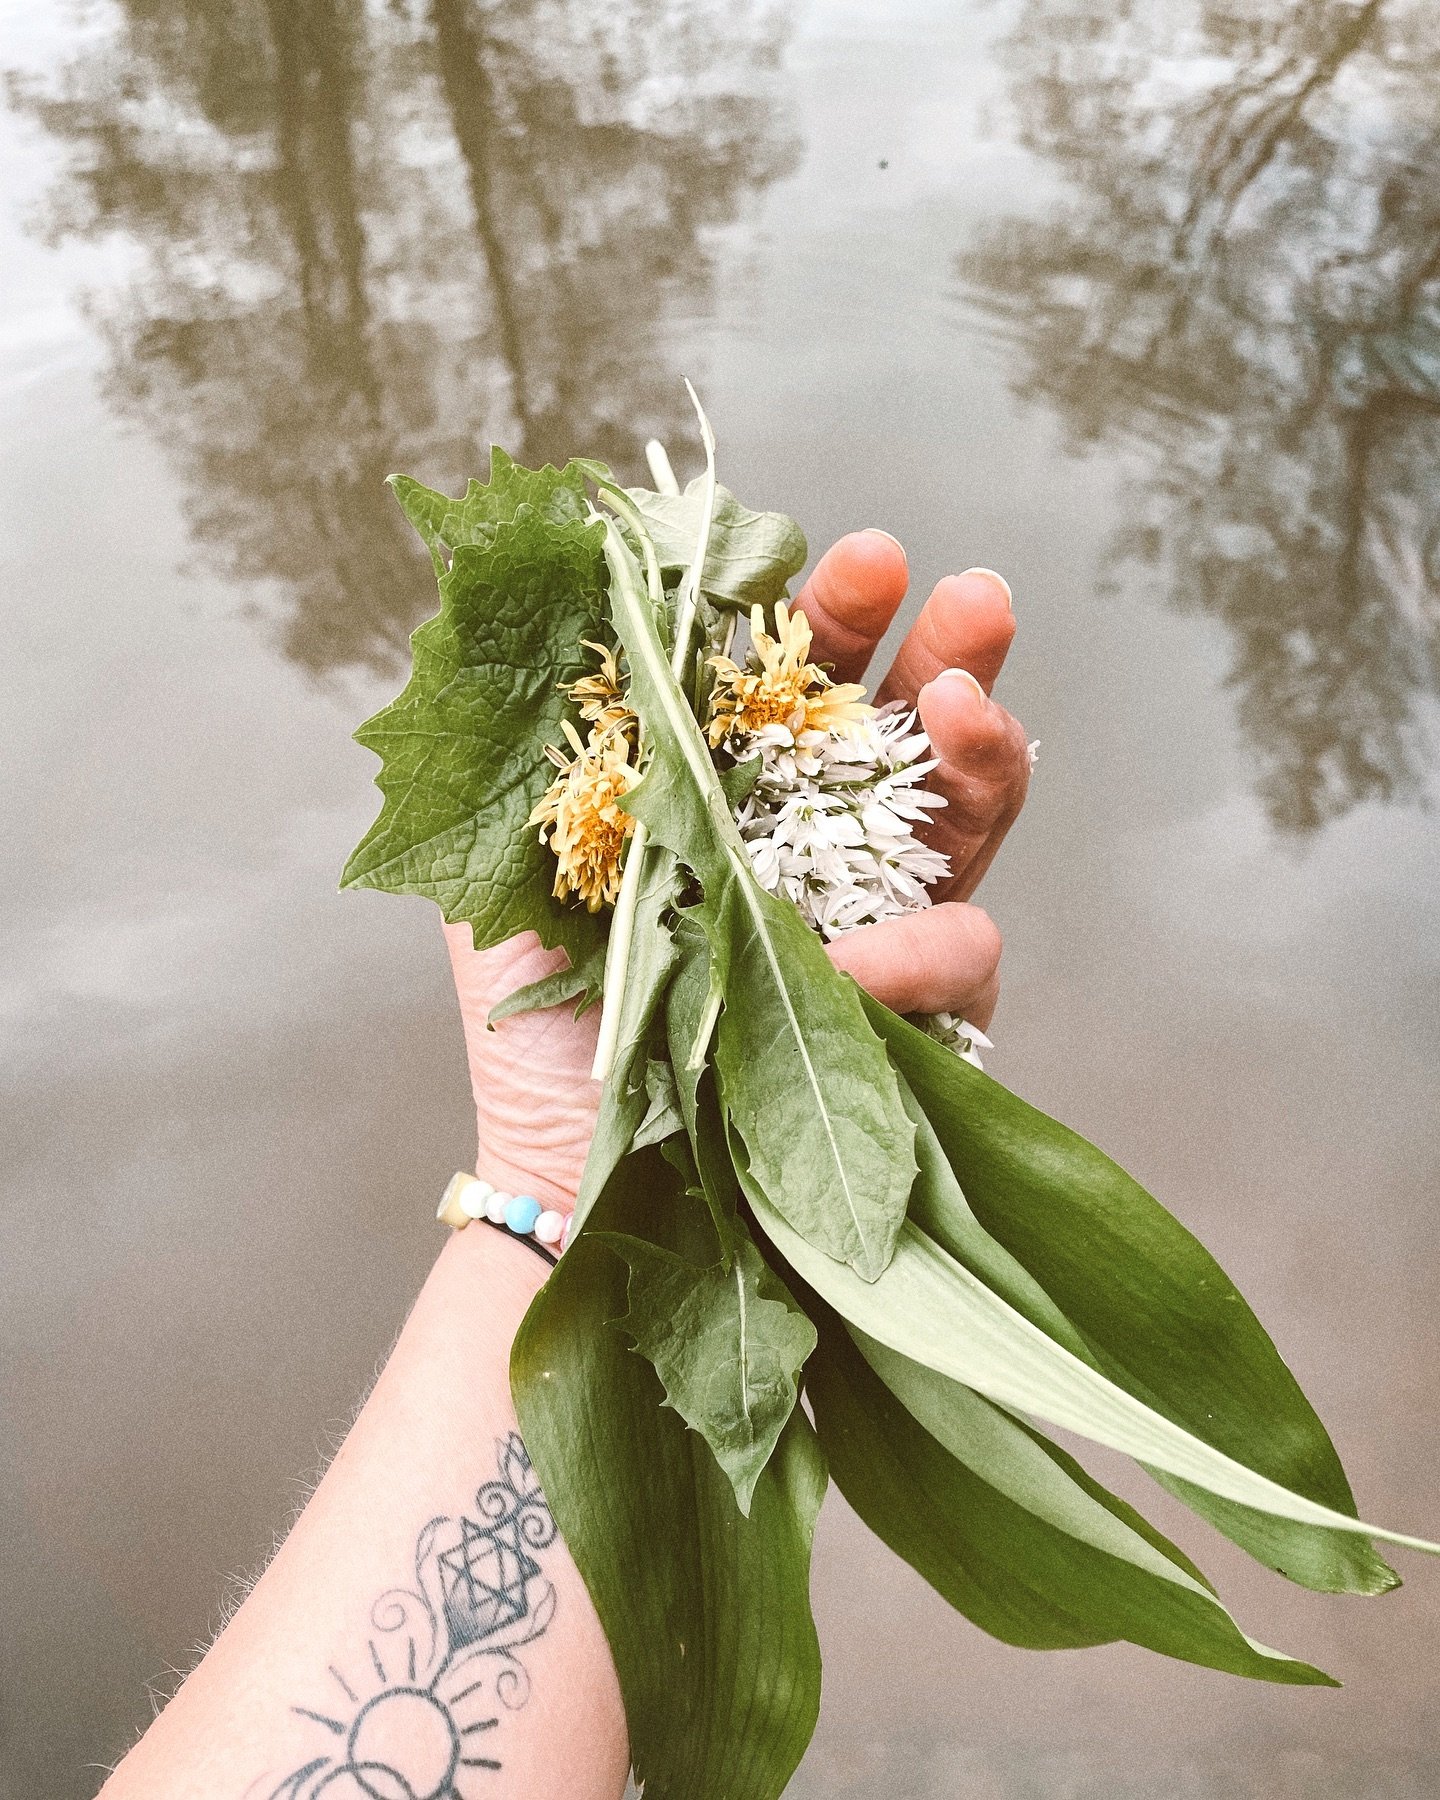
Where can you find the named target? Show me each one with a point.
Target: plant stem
(660, 471)
(709, 1020)
(622, 925)
(689, 597)
(617, 954)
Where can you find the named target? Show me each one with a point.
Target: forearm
(412, 1652)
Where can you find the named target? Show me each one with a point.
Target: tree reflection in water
(1245, 289)
(370, 235)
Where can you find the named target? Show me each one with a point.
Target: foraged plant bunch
(829, 818)
(791, 1190)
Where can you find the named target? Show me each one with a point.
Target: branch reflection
(367, 234)
(1243, 292)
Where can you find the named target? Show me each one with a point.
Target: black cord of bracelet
(530, 1243)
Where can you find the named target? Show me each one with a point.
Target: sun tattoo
(417, 1721)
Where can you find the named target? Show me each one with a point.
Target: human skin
(312, 1635)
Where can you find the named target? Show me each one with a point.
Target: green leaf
(752, 555)
(445, 524)
(691, 1014)
(727, 1345)
(939, 1208)
(663, 1117)
(580, 984)
(1007, 1527)
(706, 1611)
(1158, 1313)
(806, 1080)
(462, 748)
(933, 1310)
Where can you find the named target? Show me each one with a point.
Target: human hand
(535, 1102)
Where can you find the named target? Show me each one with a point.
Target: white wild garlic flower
(831, 824)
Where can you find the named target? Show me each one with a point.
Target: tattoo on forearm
(418, 1715)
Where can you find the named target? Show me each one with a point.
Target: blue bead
(521, 1213)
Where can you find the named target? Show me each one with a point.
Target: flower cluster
(831, 820)
(579, 814)
(778, 685)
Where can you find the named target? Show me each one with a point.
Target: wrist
(471, 1199)
(510, 1175)
(511, 1272)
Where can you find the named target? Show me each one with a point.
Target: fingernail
(965, 675)
(879, 531)
(1009, 597)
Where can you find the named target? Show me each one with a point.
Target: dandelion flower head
(779, 685)
(601, 696)
(580, 816)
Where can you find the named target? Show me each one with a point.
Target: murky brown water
(1140, 305)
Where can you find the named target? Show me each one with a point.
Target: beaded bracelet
(468, 1197)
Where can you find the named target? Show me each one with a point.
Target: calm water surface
(1138, 304)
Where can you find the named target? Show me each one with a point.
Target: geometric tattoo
(419, 1719)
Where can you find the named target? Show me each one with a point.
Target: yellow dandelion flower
(580, 817)
(601, 697)
(779, 684)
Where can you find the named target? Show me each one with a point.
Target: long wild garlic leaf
(1009, 1528)
(706, 1610)
(931, 1309)
(1149, 1304)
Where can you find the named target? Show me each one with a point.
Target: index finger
(852, 595)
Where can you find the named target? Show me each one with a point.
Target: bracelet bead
(549, 1226)
(474, 1197)
(521, 1214)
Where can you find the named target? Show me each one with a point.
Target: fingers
(943, 958)
(967, 623)
(946, 667)
(851, 597)
(983, 773)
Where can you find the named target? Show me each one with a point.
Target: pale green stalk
(622, 926)
(617, 953)
(709, 1019)
(689, 595)
(660, 471)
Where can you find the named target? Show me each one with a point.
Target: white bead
(565, 1239)
(549, 1226)
(473, 1197)
(495, 1206)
